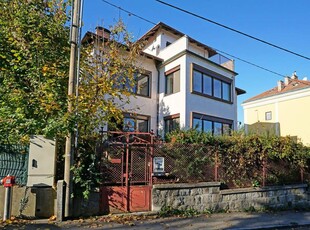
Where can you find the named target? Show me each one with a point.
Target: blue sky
(285, 23)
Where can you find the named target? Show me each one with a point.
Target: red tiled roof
(293, 85)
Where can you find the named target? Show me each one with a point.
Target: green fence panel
(14, 161)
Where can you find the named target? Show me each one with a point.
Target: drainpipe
(157, 99)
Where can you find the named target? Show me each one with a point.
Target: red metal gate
(127, 171)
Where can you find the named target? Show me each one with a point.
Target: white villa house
(185, 84)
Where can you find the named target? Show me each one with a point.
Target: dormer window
(168, 43)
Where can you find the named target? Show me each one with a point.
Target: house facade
(283, 110)
(185, 84)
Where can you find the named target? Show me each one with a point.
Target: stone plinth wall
(40, 201)
(209, 196)
(84, 207)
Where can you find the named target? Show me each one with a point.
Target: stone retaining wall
(209, 196)
(40, 201)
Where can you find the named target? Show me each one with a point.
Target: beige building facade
(284, 110)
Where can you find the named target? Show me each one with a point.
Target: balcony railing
(223, 61)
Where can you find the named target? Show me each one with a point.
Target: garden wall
(209, 196)
(40, 201)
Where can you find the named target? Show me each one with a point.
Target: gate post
(61, 191)
(126, 174)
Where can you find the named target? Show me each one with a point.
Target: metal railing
(14, 161)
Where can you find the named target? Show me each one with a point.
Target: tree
(34, 63)
(34, 57)
(109, 70)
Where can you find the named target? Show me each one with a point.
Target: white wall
(173, 103)
(204, 105)
(41, 164)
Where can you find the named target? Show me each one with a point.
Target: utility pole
(73, 72)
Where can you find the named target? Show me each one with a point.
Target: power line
(234, 30)
(128, 12)
(240, 59)
(250, 63)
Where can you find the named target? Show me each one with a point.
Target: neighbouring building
(283, 110)
(185, 84)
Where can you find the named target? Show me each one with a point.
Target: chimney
(286, 80)
(280, 85)
(294, 75)
(103, 32)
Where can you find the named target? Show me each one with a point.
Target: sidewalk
(229, 221)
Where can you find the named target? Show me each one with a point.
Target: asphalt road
(288, 220)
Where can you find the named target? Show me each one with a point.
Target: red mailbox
(8, 181)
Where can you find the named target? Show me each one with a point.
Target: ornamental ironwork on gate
(127, 171)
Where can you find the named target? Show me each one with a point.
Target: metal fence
(14, 161)
(202, 163)
(135, 160)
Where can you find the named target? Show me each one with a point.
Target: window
(210, 84)
(210, 124)
(217, 89)
(226, 91)
(143, 85)
(168, 44)
(139, 123)
(173, 81)
(197, 81)
(268, 116)
(207, 85)
(172, 123)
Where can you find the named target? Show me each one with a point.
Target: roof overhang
(90, 37)
(240, 91)
(162, 25)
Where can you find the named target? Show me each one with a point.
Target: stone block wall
(209, 196)
(90, 207)
(40, 201)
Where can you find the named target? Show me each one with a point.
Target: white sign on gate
(158, 166)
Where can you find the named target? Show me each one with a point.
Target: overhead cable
(240, 59)
(128, 12)
(235, 30)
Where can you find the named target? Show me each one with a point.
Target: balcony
(223, 61)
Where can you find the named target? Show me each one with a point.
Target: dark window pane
(207, 85)
(143, 85)
(172, 124)
(207, 126)
(226, 91)
(169, 84)
(197, 124)
(143, 125)
(173, 82)
(217, 88)
(226, 129)
(197, 81)
(217, 128)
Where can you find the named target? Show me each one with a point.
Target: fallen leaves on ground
(13, 221)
